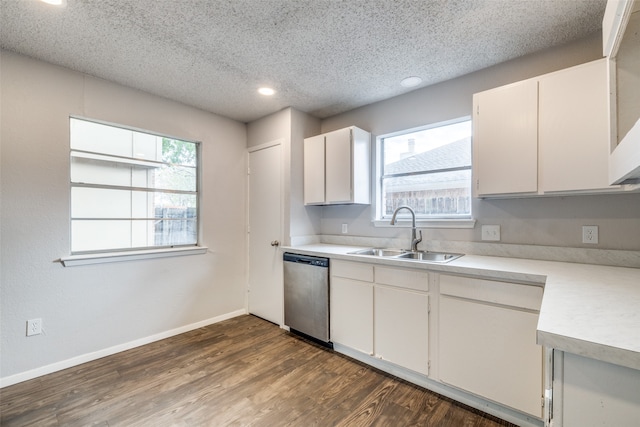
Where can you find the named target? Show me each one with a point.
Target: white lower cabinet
(352, 313)
(382, 312)
(401, 327)
(588, 392)
(487, 341)
(474, 337)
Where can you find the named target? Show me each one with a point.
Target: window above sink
(428, 169)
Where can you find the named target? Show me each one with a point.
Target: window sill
(428, 223)
(106, 257)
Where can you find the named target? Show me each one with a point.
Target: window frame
(141, 252)
(380, 220)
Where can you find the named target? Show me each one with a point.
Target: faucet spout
(414, 239)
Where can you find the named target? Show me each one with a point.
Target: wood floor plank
(240, 372)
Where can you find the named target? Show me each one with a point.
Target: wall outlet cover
(34, 327)
(590, 234)
(491, 232)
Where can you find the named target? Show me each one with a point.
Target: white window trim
(108, 257)
(118, 255)
(379, 220)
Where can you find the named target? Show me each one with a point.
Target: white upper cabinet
(574, 129)
(546, 135)
(505, 139)
(621, 42)
(314, 170)
(337, 168)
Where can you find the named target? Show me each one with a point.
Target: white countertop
(589, 310)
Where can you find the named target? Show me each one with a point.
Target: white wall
(88, 309)
(542, 221)
(305, 220)
(291, 127)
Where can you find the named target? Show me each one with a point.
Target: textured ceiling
(323, 57)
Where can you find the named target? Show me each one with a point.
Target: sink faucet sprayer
(414, 239)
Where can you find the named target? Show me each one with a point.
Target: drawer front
(510, 294)
(403, 278)
(352, 270)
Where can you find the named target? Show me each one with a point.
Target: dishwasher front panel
(306, 298)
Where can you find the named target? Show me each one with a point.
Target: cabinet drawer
(352, 270)
(404, 278)
(511, 294)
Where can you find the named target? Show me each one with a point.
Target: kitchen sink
(424, 256)
(380, 252)
(430, 256)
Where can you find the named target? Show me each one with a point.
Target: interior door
(265, 288)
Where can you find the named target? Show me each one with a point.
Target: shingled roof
(444, 157)
(455, 154)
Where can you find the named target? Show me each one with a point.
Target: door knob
(275, 243)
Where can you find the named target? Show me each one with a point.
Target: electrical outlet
(345, 228)
(491, 232)
(34, 327)
(590, 234)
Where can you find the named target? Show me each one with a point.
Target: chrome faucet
(414, 239)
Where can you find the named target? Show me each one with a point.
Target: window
(131, 189)
(427, 169)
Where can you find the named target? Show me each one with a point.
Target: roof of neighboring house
(448, 156)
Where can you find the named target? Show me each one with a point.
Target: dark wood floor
(240, 372)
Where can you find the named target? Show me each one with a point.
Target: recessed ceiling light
(267, 91)
(411, 81)
(55, 2)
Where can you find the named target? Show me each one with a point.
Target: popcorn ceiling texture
(323, 57)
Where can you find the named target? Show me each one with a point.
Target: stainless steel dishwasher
(306, 296)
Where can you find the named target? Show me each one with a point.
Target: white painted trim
(105, 257)
(266, 145)
(88, 357)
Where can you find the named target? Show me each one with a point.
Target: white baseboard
(84, 358)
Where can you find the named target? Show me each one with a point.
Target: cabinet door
(401, 333)
(595, 393)
(314, 170)
(505, 139)
(352, 314)
(339, 161)
(574, 128)
(491, 351)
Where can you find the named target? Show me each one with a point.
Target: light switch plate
(491, 232)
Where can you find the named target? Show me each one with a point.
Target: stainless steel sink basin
(430, 256)
(424, 256)
(379, 252)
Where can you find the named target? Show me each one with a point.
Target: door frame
(252, 149)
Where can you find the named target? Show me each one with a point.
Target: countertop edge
(601, 352)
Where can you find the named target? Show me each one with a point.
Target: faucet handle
(414, 243)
